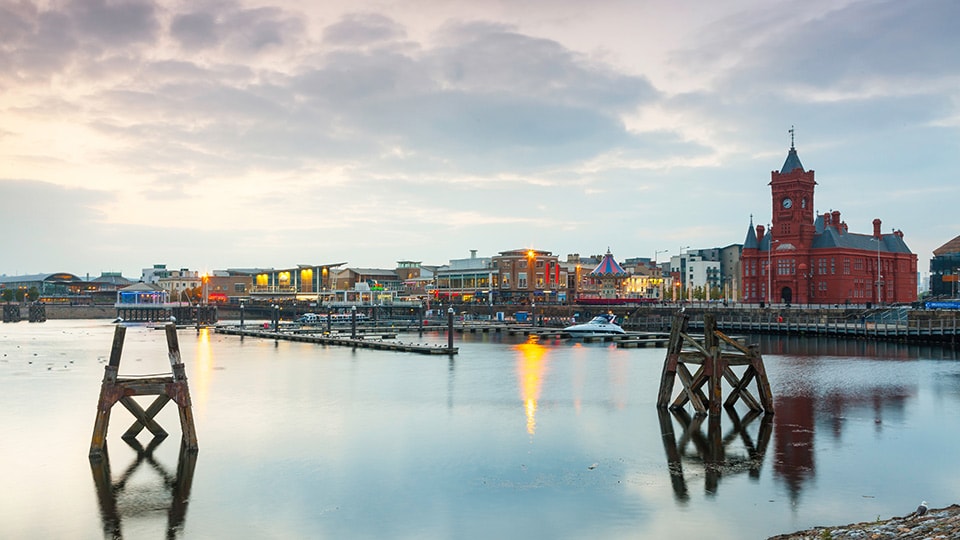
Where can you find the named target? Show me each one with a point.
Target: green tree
(20, 294)
(6, 295)
(33, 294)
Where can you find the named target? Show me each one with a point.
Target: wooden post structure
(450, 329)
(166, 388)
(716, 357)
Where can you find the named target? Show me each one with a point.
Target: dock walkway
(366, 341)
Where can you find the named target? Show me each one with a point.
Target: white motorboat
(601, 325)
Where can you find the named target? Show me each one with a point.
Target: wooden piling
(114, 389)
(714, 357)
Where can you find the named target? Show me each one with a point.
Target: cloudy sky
(222, 134)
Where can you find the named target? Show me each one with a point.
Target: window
(846, 266)
(504, 281)
(833, 265)
(239, 288)
(521, 280)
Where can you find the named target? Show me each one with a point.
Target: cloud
(361, 29)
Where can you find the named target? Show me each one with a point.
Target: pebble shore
(936, 524)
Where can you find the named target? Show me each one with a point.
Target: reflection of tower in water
(531, 368)
(793, 442)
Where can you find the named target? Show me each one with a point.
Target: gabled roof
(608, 267)
(952, 246)
(792, 162)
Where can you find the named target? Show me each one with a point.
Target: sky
(238, 134)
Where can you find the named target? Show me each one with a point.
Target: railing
(939, 330)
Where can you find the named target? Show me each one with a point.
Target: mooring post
(420, 316)
(108, 394)
(713, 364)
(114, 389)
(329, 320)
(241, 316)
(450, 329)
(353, 322)
(674, 348)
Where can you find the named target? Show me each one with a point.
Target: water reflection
(845, 347)
(718, 454)
(531, 367)
(122, 498)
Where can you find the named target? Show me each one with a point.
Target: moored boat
(600, 325)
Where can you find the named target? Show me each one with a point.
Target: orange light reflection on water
(200, 383)
(531, 368)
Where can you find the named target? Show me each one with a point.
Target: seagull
(921, 510)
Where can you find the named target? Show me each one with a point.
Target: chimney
(473, 254)
(835, 219)
(760, 230)
(876, 228)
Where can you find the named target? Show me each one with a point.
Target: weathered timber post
(241, 316)
(353, 322)
(166, 388)
(420, 315)
(329, 320)
(715, 365)
(450, 329)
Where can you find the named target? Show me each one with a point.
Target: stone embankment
(943, 523)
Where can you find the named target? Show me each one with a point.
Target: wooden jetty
(929, 330)
(367, 341)
(714, 357)
(165, 387)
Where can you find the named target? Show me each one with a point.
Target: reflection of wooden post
(710, 450)
(109, 491)
(715, 358)
(114, 389)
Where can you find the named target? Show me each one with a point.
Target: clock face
(787, 203)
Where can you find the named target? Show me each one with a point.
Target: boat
(601, 325)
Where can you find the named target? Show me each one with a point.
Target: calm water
(509, 439)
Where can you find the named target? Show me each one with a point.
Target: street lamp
(681, 268)
(769, 267)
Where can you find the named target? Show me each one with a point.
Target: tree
(6, 295)
(19, 295)
(33, 294)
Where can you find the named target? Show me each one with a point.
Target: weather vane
(791, 137)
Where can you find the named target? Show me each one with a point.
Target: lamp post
(769, 266)
(682, 269)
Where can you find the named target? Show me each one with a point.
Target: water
(509, 439)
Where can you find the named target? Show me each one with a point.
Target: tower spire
(791, 130)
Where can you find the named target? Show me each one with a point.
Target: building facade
(528, 276)
(806, 259)
(944, 270)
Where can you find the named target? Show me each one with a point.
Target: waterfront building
(466, 280)
(944, 269)
(644, 279)
(697, 274)
(59, 287)
(577, 269)
(806, 257)
(529, 276)
(372, 279)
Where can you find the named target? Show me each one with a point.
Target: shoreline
(939, 523)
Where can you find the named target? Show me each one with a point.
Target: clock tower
(791, 191)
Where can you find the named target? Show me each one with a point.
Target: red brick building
(815, 258)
